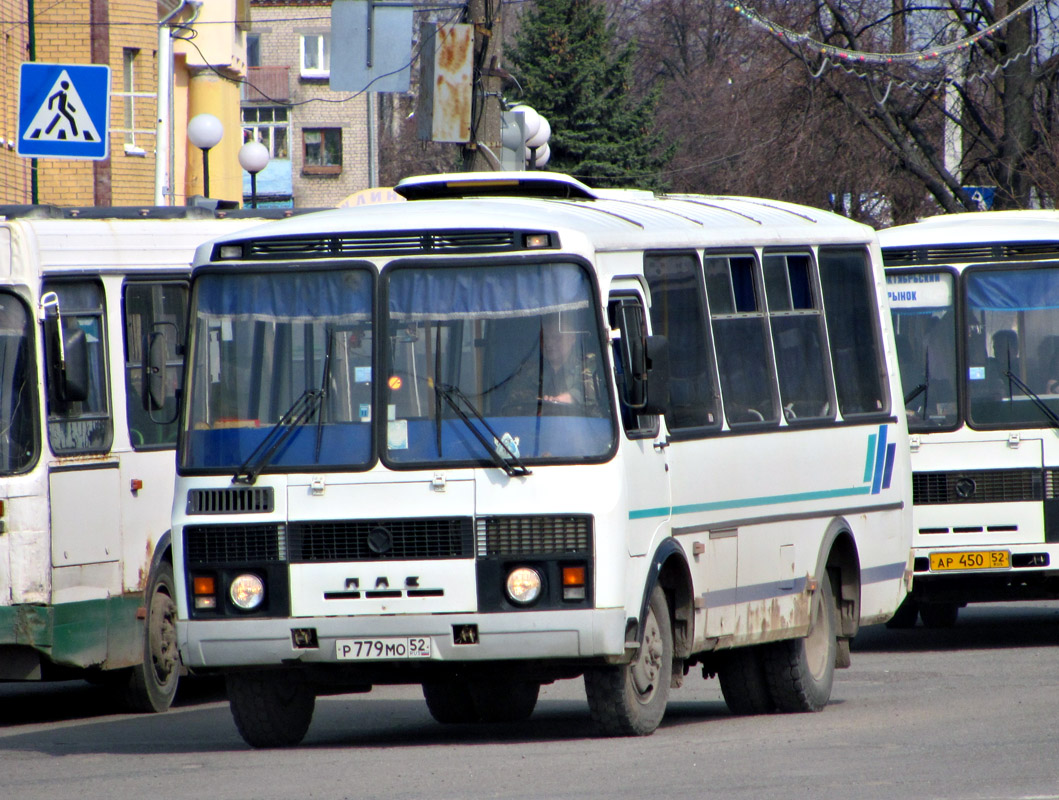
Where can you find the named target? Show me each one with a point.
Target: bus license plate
(383, 649)
(971, 559)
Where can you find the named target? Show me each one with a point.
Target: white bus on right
(975, 305)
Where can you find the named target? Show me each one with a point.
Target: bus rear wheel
(630, 699)
(152, 684)
(450, 702)
(271, 709)
(743, 682)
(800, 672)
(461, 701)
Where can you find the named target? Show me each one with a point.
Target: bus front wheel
(630, 699)
(152, 685)
(271, 709)
(800, 671)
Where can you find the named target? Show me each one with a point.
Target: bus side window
(740, 335)
(853, 331)
(678, 312)
(158, 311)
(82, 425)
(636, 426)
(797, 337)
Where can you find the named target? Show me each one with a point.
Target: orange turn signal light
(204, 585)
(573, 576)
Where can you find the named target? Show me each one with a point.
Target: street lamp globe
(205, 131)
(253, 157)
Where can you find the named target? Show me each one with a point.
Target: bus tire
(743, 682)
(505, 701)
(800, 672)
(939, 615)
(450, 702)
(270, 709)
(906, 615)
(152, 684)
(630, 699)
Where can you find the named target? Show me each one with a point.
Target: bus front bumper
(591, 634)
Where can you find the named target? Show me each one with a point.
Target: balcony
(267, 84)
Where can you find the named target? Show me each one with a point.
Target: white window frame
(127, 98)
(321, 43)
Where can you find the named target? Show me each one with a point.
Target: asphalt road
(967, 713)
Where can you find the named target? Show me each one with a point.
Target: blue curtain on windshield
(287, 297)
(465, 293)
(1014, 290)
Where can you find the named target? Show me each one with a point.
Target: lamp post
(253, 157)
(205, 131)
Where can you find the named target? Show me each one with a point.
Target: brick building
(318, 140)
(206, 74)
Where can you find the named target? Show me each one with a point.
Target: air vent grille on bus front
(234, 544)
(976, 486)
(970, 253)
(389, 539)
(390, 244)
(234, 500)
(533, 535)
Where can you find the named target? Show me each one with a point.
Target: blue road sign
(63, 111)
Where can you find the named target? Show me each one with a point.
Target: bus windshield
(280, 357)
(925, 328)
(1012, 346)
(503, 358)
(18, 418)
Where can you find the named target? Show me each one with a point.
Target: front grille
(502, 536)
(395, 243)
(234, 544)
(977, 486)
(382, 539)
(234, 500)
(970, 253)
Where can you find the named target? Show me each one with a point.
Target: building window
(316, 55)
(269, 125)
(253, 49)
(128, 96)
(322, 151)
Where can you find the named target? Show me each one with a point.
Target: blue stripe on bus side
(891, 449)
(758, 592)
(880, 461)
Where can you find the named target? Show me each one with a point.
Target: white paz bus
(517, 430)
(93, 304)
(975, 304)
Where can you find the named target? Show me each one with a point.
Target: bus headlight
(247, 591)
(523, 585)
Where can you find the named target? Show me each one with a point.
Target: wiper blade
(511, 465)
(1051, 416)
(300, 411)
(916, 392)
(325, 381)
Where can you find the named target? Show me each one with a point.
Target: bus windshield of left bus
(498, 364)
(18, 427)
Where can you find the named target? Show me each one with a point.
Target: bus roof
(604, 219)
(975, 227)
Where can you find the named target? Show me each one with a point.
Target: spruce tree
(570, 68)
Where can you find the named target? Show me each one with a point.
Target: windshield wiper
(299, 412)
(325, 381)
(916, 392)
(1036, 398)
(511, 465)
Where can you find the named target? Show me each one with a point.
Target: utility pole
(482, 153)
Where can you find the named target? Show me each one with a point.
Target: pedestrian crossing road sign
(63, 111)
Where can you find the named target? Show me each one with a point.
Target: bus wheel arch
(839, 562)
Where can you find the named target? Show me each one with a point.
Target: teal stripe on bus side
(748, 502)
(869, 459)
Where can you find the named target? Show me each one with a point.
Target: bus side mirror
(67, 353)
(154, 372)
(633, 353)
(657, 400)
